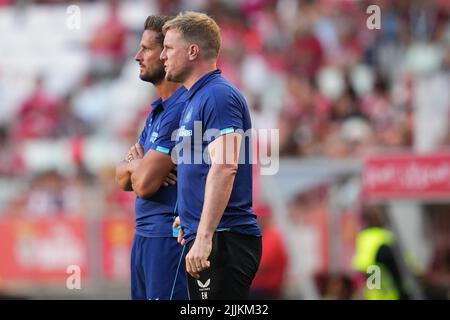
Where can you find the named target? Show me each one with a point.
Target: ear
(193, 51)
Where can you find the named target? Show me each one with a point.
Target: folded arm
(145, 174)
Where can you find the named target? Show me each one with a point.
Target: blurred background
(363, 118)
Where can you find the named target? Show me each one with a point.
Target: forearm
(219, 184)
(148, 175)
(143, 184)
(141, 179)
(123, 176)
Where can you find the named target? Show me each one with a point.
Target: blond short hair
(197, 28)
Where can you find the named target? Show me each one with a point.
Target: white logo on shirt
(154, 137)
(183, 132)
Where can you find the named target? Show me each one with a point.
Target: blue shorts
(158, 269)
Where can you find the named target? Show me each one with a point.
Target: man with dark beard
(156, 269)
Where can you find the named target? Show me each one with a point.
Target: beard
(154, 76)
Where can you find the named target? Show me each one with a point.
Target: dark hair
(155, 23)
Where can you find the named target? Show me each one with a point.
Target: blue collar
(159, 103)
(202, 81)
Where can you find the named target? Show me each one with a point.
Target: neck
(165, 89)
(198, 72)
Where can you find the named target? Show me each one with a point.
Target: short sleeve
(165, 141)
(143, 135)
(222, 113)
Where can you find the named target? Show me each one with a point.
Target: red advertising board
(117, 237)
(407, 176)
(43, 249)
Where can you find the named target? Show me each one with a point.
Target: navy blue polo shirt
(213, 107)
(155, 215)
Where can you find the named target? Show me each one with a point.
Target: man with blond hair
(218, 225)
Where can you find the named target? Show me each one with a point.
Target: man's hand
(197, 258)
(171, 178)
(125, 168)
(136, 152)
(177, 224)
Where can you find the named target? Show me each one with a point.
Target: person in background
(269, 280)
(375, 247)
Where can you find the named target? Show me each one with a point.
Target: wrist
(204, 235)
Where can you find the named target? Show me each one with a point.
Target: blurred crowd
(313, 69)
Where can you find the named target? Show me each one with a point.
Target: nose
(138, 56)
(163, 55)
